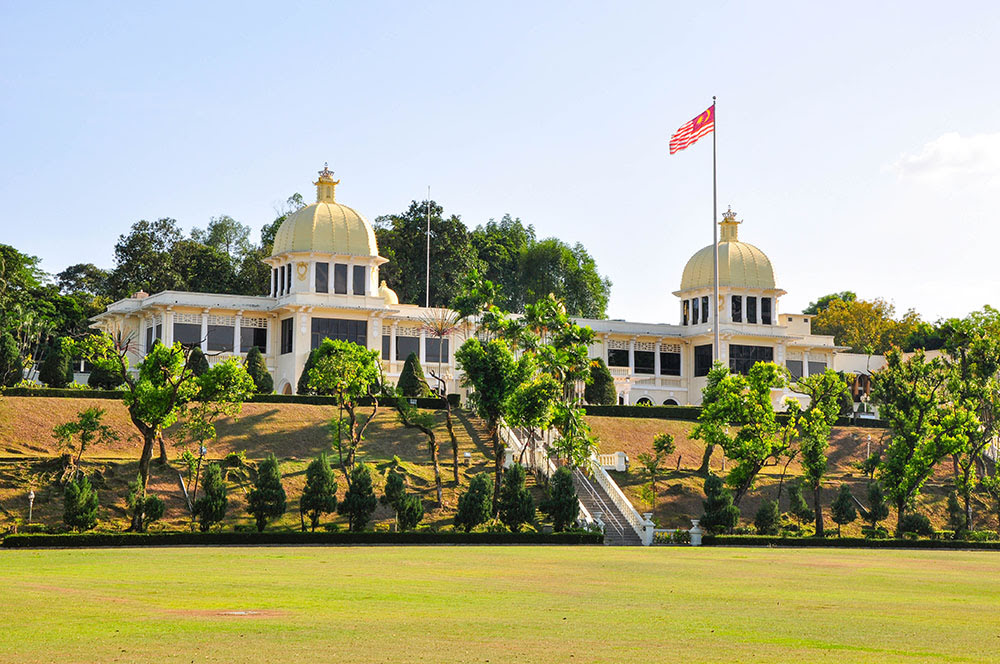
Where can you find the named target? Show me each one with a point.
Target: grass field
(501, 604)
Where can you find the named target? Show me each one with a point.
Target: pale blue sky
(860, 142)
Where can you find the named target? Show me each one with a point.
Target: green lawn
(500, 604)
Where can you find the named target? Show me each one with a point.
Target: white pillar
(631, 356)
(168, 328)
(311, 286)
(204, 330)
(237, 332)
(423, 340)
(805, 363)
(350, 278)
(656, 358)
(392, 343)
(274, 281)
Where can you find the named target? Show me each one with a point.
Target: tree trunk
(163, 450)
(497, 467)
(432, 444)
(704, 469)
(144, 459)
(900, 509)
(968, 509)
(819, 512)
(454, 441)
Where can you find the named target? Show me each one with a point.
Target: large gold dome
(741, 265)
(326, 226)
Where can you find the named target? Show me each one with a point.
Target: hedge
(63, 393)
(98, 539)
(844, 542)
(690, 414)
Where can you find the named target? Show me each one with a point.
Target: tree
(721, 515)
(320, 494)
(825, 391)
(475, 505)
(393, 493)
(411, 379)
(600, 391)
(443, 325)
(410, 512)
(11, 368)
(359, 502)
(197, 361)
(257, 368)
(797, 504)
(926, 425)
(143, 259)
(561, 503)
(225, 235)
(424, 422)
(713, 425)
(80, 504)
(843, 508)
(210, 508)
(823, 303)
(145, 508)
(103, 378)
(57, 367)
(956, 515)
(499, 245)
(551, 266)
(863, 325)
(767, 520)
(532, 405)
(877, 507)
(83, 278)
(517, 507)
(88, 428)
(663, 445)
(266, 501)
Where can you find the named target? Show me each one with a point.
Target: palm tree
(441, 324)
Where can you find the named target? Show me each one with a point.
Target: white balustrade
(642, 526)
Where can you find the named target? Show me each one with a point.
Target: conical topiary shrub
(257, 368)
(411, 379)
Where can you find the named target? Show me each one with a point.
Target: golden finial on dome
(326, 185)
(729, 226)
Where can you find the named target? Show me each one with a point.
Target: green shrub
(103, 378)
(210, 507)
(877, 507)
(475, 504)
(197, 361)
(721, 515)
(917, 524)
(797, 505)
(410, 513)
(319, 496)
(600, 391)
(80, 504)
(561, 503)
(359, 502)
(981, 535)
(767, 519)
(266, 500)
(57, 367)
(491, 526)
(956, 514)
(257, 368)
(148, 507)
(517, 507)
(876, 532)
(843, 508)
(411, 379)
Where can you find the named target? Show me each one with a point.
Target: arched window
(670, 402)
(644, 401)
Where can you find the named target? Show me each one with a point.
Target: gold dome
(326, 226)
(741, 265)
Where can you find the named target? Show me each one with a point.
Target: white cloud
(953, 160)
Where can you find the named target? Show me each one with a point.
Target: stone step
(617, 530)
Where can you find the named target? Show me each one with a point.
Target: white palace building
(325, 283)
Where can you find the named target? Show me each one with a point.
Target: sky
(858, 142)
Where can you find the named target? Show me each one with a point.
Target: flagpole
(715, 242)
(427, 299)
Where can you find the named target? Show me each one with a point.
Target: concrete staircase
(617, 530)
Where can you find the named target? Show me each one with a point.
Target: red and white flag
(689, 134)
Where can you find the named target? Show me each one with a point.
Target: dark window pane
(359, 280)
(741, 358)
(335, 328)
(220, 337)
(253, 336)
(405, 346)
(286, 335)
(687, 311)
(188, 334)
(737, 308)
(765, 310)
(694, 311)
(702, 360)
(617, 357)
(386, 346)
(704, 309)
(340, 279)
(751, 309)
(645, 362)
(149, 338)
(322, 277)
(159, 331)
(434, 350)
(817, 367)
(670, 364)
(795, 368)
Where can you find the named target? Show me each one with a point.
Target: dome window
(704, 309)
(751, 309)
(737, 308)
(322, 277)
(765, 310)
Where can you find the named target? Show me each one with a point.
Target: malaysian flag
(687, 135)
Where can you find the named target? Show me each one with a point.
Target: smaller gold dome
(387, 294)
(741, 265)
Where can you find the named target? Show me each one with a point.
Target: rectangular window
(795, 368)
(359, 280)
(405, 346)
(687, 311)
(220, 338)
(694, 311)
(335, 328)
(322, 277)
(286, 335)
(159, 331)
(253, 336)
(281, 280)
(386, 346)
(765, 310)
(737, 308)
(436, 350)
(702, 360)
(751, 309)
(340, 279)
(704, 309)
(149, 338)
(741, 358)
(670, 364)
(816, 368)
(617, 357)
(645, 362)
(189, 334)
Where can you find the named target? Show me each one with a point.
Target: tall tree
(865, 325)
(210, 508)
(83, 278)
(266, 501)
(499, 245)
(569, 273)
(359, 502)
(225, 235)
(824, 302)
(143, 258)
(319, 496)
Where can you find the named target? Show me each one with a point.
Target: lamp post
(869, 455)
(31, 503)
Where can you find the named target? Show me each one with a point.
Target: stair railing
(642, 524)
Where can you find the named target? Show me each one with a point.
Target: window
(335, 328)
(405, 346)
(702, 360)
(220, 337)
(340, 279)
(253, 336)
(694, 311)
(704, 309)
(286, 335)
(645, 362)
(359, 280)
(737, 308)
(765, 310)
(751, 309)
(670, 364)
(435, 350)
(670, 402)
(817, 367)
(686, 312)
(644, 401)
(386, 346)
(281, 280)
(741, 358)
(617, 357)
(322, 277)
(149, 338)
(189, 334)
(159, 331)
(795, 368)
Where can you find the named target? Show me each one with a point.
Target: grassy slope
(501, 604)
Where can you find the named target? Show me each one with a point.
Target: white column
(311, 276)
(631, 357)
(168, 328)
(805, 363)
(237, 332)
(204, 330)
(392, 343)
(350, 278)
(423, 342)
(274, 277)
(271, 325)
(656, 359)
